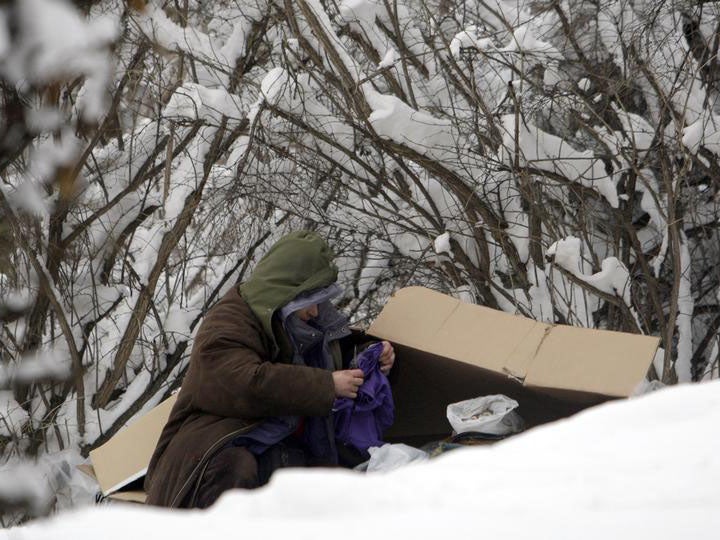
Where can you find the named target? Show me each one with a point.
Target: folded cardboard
(120, 464)
(449, 351)
(446, 351)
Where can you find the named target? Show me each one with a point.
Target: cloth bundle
(360, 422)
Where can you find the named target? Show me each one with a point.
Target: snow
(235, 44)
(177, 325)
(58, 43)
(51, 154)
(49, 364)
(651, 203)
(44, 119)
(12, 415)
(158, 27)
(566, 254)
(584, 84)
(395, 120)
(524, 40)
(274, 85)
(15, 300)
(194, 101)
(704, 132)
(326, 26)
(517, 219)
(613, 278)
(388, 59)
(639, 134)
(468, 38)
(539, 294)
(536, 148)
(26, 485)
(442, 244)
(643, 468)
(375, 266)
(410, 245)
(614, 18)
(28, 196)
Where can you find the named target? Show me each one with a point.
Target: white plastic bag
(494, 415)
(391, 456)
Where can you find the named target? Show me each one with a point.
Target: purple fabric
(360, 422)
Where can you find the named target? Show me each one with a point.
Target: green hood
(299, 262)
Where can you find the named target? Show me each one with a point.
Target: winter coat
(241, 369)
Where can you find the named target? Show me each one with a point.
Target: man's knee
(231, 468)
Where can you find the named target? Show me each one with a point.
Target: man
(266, 366)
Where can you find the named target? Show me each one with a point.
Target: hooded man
(267, 363)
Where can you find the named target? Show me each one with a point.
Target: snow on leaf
(468, 38)
(395, 120)
(613, 277)
(24, 485)
(274, 85)
(12, 415)
(566, 254)
(441, 244)
(196, 102)
(388, 59)
(41, 365)
(56, 43)
(705, 132)
(536, 148)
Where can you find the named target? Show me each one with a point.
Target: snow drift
(644, 468)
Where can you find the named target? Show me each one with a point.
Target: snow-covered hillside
(645, 468)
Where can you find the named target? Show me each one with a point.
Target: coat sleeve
(231, 375)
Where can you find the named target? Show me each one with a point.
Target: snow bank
(645, 468)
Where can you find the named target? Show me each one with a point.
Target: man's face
(305, 314)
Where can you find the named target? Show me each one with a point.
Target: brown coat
(231, 383)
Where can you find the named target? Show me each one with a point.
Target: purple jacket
(360, 422)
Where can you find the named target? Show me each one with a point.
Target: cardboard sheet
(448, 351)
(125, 457)
(596, 361)
(439, 324)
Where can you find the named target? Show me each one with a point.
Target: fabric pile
(360, 422)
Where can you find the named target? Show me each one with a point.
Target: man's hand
(347, 382)
(387, 357)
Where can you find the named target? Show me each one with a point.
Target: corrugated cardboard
(448, 351)
(125, 457)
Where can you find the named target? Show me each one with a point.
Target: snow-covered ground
(645, 468)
